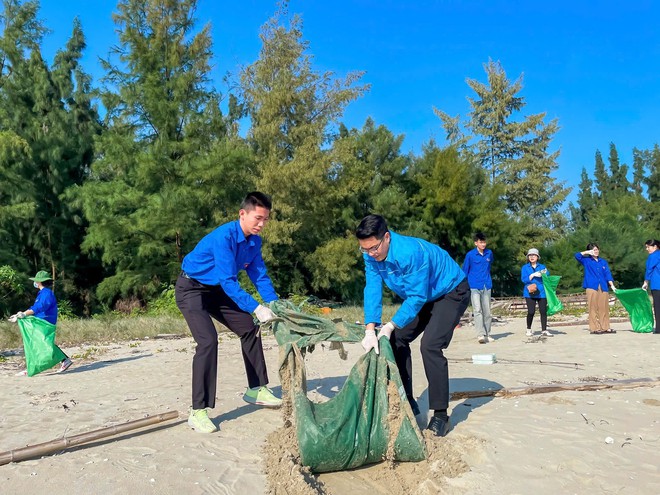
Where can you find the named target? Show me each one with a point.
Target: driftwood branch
(557, 387)
(46, 448)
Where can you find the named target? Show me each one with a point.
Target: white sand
(547, 443)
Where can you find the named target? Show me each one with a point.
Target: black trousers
(531, 309)
(199, 303)
(437, 320)
(656, 309)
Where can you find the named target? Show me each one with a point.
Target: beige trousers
(599, 310)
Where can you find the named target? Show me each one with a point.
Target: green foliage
(165, 304)
(10, 288)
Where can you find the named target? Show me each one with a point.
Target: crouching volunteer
(435, 295)
(208, 288)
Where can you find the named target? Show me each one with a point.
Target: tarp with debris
(41, 353)
(638, 305)
(369, 420)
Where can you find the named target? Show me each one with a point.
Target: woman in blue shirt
(597, 277)
(534, 292)
(652, 278)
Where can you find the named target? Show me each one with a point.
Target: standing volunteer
(534, 291)
(44, 307)
(435, 295)
(652, 278)
(597, 277)
(208, 288)
(476, 266)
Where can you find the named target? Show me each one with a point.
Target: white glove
(386, 330)
(544, 271)
(535, 274)
(20, 315)
(613, 288)
(13, 318)
(645, 285)
(264, 314)
(370, 341)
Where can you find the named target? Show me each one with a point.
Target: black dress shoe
(414, 406)
(439, 426)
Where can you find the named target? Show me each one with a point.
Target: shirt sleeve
(415, 279)
(42, 303)
(608, 273)
(525, 272)
(580, 258)
(651, 264)
(373, 294)
(259, 276)
(466, 264)
(226, 269)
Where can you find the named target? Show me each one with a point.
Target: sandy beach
(561, 442)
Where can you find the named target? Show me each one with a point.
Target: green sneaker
(199, 421)
(261, 396)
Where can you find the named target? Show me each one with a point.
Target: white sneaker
(482, 339)
(545, 333)
(529, 333)
(21, 373)
(65, 365)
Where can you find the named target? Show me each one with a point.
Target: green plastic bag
(367, 421)
(636, 302)
(550, 283)
(41, 353)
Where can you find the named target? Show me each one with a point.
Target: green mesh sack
(636, 302)
(370, 418)
(550, 282)
(41, 353)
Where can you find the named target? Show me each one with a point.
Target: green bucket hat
(41, 276)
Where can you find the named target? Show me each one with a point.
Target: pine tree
(618, 173)
(167, 172)
(515, 153)
(50, 110)
(586, 200)
(602, 181)
(293, 111)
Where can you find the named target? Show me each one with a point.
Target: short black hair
(479, 236)
(592, 245)
(254, 199)
(371, 226)
(653, 242)
(47, 283)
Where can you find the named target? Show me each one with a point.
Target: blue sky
(592, 65)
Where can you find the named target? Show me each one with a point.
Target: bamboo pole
(556, 387)
(64, 443)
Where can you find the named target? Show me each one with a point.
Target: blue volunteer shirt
(596, 272)
(526, 270)
(652, 273)
(221, 255)
(416, 270)
(45, 306)
(477, 268)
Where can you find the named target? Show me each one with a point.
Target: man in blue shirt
(208, 288)
(435, 295)
(476, 266)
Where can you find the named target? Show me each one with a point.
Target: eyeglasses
(372, 249)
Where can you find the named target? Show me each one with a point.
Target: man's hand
(264, 314)
(386, 330)
(370, 341)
